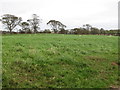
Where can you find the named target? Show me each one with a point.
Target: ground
(59, 61)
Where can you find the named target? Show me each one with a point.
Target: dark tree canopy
(25, 26)
(56, 25)
(87, 26)
(10, 21)
(95, 30)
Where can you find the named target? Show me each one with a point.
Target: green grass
(59, 61)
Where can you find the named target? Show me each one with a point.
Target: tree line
(32, 25)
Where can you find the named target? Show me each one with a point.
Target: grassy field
(59, 61)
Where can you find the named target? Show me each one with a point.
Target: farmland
(59, 61)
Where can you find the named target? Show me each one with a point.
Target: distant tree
(95, 30)
(46, 31)
(71, 31)
(102, 31)
(10, 21)
(25, 26)
(56, 25)
(35, 23)
(113, 32)
(77, 31)
(87, 26)
(63, 31)
(61, 26)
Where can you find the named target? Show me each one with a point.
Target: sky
(72, 13)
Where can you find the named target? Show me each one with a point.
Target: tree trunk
(10, 31)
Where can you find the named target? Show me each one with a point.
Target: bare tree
(10, 21)
(56, 25)
(35, 23)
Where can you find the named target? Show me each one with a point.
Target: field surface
(59, 61)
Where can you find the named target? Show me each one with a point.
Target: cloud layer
(73, 13)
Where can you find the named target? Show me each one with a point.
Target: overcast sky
(72, 13)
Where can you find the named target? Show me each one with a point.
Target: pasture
(59, 61)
